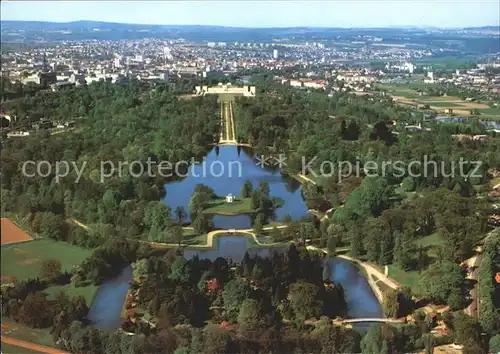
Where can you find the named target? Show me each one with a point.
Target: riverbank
(302, 178)
(372, 274)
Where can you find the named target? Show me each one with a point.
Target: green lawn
(492, 110)
(11, 349)
(88, 292)
(430, 243)
(226, 97)
(238, 206)
(192, 238)
(410, 279)
(431, 240)
(23, 260)
(34, 335)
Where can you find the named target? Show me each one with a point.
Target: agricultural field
(445, 104)
(11, 233)
(23, 260)
(405, 93)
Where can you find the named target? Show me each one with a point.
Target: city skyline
(444, 14)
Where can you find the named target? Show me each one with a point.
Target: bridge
(370, 320)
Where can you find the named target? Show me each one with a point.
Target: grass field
(405, 278)
(23, 260)
(11, 349)
(88, 292)
(440, 104)
(238, 206)
(411, 278)
(34, 335)
(492, 111)
(192, 238)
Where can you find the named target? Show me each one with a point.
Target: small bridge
(379, 320)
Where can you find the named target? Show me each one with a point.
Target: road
(474, 262)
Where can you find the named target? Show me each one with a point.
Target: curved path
(210, 236)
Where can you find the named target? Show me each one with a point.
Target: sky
(246, 13)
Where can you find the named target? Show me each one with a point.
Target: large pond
(105, 312)
(361, 300)
(225, 170)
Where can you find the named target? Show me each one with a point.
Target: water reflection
(226, 169)
(361, 300)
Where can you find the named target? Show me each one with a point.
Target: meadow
(23, 260)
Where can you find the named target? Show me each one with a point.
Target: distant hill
(38, 31)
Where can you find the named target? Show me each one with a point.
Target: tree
(217, 341)
(257, 227)
(332, 246)
(180, 213)
(373, 341)
(49, 225)
(50, 270)
(428, 343)
(36, 311)
(246, 190)
(156, 215)
(234, 293)
(408, 184)
(390, 303)
(177, 234)
(495, 344)
(202, 223)
(441, 281)
(264, 188)
(326, 272)
(249, 315)
(304, 300)
(333, 339)
(180, 270)
(276, 234)
(140, 268)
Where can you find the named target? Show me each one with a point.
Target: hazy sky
(333, 13)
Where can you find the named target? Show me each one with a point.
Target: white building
(229, 198)
(275, 54)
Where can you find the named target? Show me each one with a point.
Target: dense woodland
(380, 219)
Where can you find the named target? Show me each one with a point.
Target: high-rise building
(167, 53)
(117, 63)
(275, 54)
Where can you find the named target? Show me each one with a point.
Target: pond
(105, 312)
(361, 300)
(225, 170)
